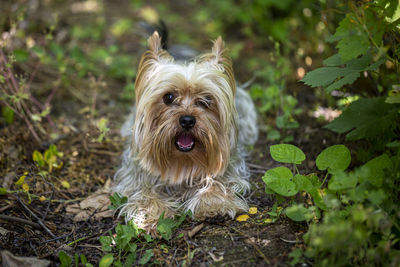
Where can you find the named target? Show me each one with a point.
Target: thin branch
(37, 218)
(19, 220)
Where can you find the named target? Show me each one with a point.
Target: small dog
(188, 132)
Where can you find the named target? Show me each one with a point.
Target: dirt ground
(88, 165)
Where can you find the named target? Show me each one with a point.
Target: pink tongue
(185, 140)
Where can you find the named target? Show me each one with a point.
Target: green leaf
(347, 79)
(373, 170)
(117, 201)
(353, 45)
(318, 200)
(3, 191)
(8, 114)
(146, 257)
(106, 260)
(38, 158)
(323, 76)
(21, 55)
(393, 99)
(130, 259)
(165, 227)
(64, 259)
(287, 153)
(302, 183)
(298, 213)
(106, 242)
(333, 61)
(342, 181)
(366, 118)
(83, 259)
(377, 196)
(334, 158)
(279, 180)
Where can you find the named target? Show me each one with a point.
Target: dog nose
(187, 122)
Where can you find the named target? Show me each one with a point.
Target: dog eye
(168, 99)
(204, 102)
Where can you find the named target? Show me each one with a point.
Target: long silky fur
(211, 185)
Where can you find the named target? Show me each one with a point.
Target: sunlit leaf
(334, 158)
(287, 153)
(279, 180)
(242, 218)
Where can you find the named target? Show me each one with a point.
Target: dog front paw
(215, 202)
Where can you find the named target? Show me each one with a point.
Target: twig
(51, 198)
(37, 218)
(20, 220)
(290, 241)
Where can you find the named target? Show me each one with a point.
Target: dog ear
(220, 55)
(154, 55)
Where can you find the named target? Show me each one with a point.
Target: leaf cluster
(358, 208)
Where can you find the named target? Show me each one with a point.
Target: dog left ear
(221, 57)
(154, 55)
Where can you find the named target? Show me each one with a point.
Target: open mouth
(184, 142)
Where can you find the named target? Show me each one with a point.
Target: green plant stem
(326, 176)
(77, 240)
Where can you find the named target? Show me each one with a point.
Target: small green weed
(129, 241)
(47, 161)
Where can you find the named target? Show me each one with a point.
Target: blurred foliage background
(61, 61)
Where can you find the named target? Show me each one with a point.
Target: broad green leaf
(8, 114)
(279, 180)
(373, 170)
(21, 55)
(130, 259)
(353, 45)
(287, 153)
(298, 213)
(342, 181)
(323, 76)
(377, 196)
(314, 180)
(366, 118)
(302, 183)
(106, 242)
(347, 79)
(334, 158)
(106, 260)
(146, 257)
(64, 259)
(333, 61)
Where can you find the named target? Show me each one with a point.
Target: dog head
(186, 122)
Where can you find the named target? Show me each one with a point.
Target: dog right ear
(153, 56)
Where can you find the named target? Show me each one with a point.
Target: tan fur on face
(157, 124)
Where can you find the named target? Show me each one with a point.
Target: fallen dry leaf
(95, 205)
(9, 260)
(242, 218)
(253, 210)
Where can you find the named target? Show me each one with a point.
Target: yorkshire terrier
(188, 134)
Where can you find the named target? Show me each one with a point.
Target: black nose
(187, 122)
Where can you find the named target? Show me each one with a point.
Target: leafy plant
(273, 98)
(129, 240)
(66, 260)
(358, 210)
(48, 159)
